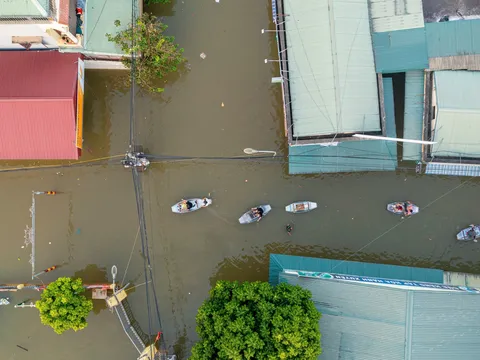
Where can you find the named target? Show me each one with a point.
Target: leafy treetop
(257, 321)
(62, 305)
(157, 54)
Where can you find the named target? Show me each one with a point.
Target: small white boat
(400, 208)
(250, 217)
(469, 234)
(190, 205)
(301, 207)
(4, 301)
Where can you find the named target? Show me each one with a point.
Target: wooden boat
(469, 234)
(181, 206)
(250, 217)
(301, 207)
(392, 207)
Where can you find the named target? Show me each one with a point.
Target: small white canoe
(301, 207)
(195, 204)
(470, 233)
(250, 217)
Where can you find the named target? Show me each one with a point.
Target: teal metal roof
(350, 156)
(20, 8)
(100, 16)
(391, 15)
(457, 122)
(399, 51)
(332, 76)
(279, 262)
(413, 117)
(369, 322)
(452, 38)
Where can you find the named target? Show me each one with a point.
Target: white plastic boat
(301, 207)
(182, 206)
(469, 234)
(250, 217)
(399, 208)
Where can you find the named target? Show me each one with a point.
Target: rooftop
(24, 8)
(38, 105)
(457, 122)
(333, 84)
(363, 321)
(100, 17)
(392, 15)
(350, 156)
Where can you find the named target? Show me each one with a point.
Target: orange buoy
(50, 192)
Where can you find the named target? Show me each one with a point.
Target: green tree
(62, 305)
(257, 321)
(157, 54)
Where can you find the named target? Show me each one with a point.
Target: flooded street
(92, 224)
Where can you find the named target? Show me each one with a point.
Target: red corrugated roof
(64, 10)
(37, 105)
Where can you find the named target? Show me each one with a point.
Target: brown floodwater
(92, 223)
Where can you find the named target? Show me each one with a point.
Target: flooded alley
(216, 107)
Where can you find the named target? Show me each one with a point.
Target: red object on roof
(38, 105)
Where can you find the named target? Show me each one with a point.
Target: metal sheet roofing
(279, 262)
(20, 8)
(399, 51)
(452, 169)
(37, 105)
(350, 156)
(391, 15)
(100, 17)
(413, 117)
(369, 322)
(457, 122)
(452, 38)
(331, 68)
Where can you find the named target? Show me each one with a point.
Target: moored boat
(469, 234)
(405, 208)
(190, 205)
(250, 216)
(301, 207)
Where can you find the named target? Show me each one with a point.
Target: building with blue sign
(339, 62)
(373, 311)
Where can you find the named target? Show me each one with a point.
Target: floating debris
(203, 56)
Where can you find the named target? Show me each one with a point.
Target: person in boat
(399, 207)
(205, 202)
(408, 208)
(187, 204)
(471, 233)
(258, 213)
(289, 229)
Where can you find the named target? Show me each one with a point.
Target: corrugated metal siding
(413, 117)
(280, 262)
(464, 62)
(38, 74)
(452, 169)
(358, 321)
(331, 67)
(399, 51)
(446, 326)
(457, 125)
(391, 15)
(451, 38)
(350, 156)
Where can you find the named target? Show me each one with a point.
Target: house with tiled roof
(41, 105)
(69, 26)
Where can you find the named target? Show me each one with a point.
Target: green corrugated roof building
(24, 8)
(350, 156)
(364, 321)
(453, 38)
(331, 71)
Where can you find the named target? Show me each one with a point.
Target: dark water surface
(92, 224)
